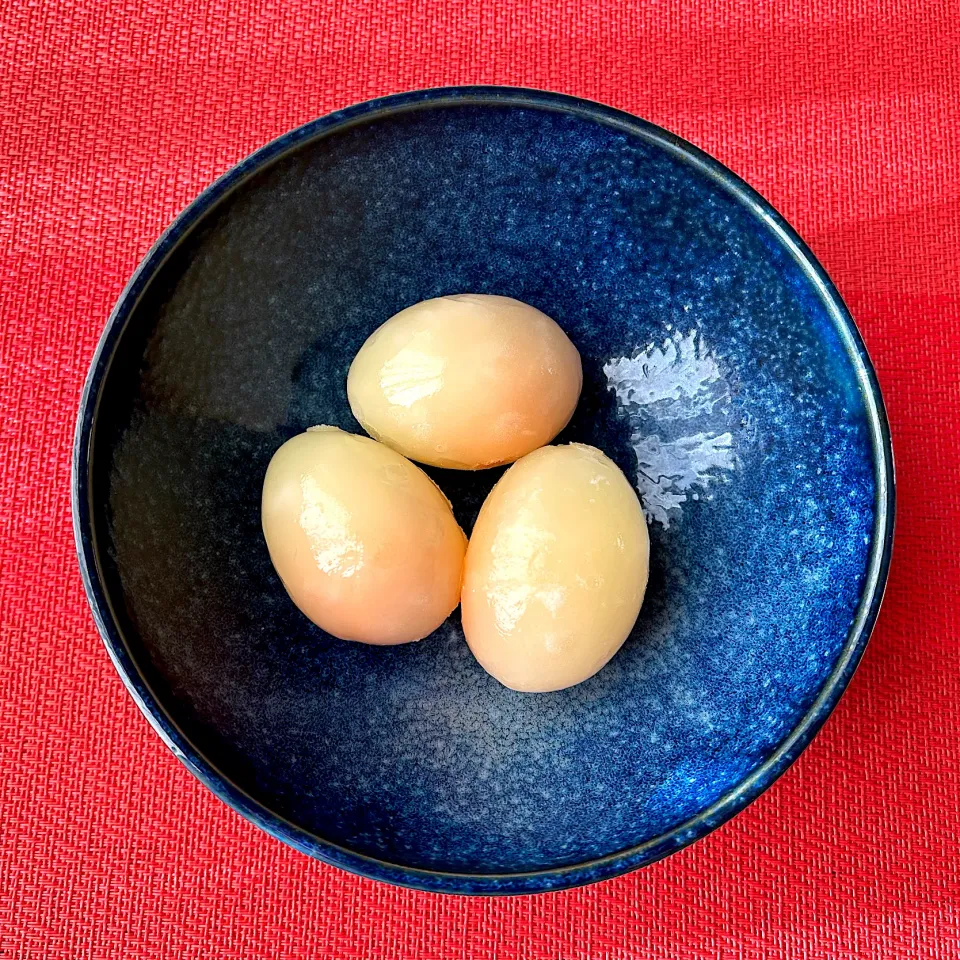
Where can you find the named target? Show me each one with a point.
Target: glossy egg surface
(363, 540)
(466, 382)
(556, 569)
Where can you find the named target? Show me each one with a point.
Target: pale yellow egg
(466, 381)
(556, 569)
(363, 540)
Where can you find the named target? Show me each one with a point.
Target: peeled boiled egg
(556, 569)
(363, 540)
(466, 381)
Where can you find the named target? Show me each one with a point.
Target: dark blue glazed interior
(410, 763)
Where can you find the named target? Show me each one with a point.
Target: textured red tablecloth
(844, 114)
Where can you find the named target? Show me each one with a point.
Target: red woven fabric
(844, 113)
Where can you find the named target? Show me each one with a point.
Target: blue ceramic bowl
(721, 372)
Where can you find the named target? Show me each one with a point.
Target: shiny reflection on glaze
(466, 382)
(685, 429)
(556, 569)
(364, 541)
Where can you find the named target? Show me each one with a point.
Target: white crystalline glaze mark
(327, 526)
(509, 603)
(552, 597)
(516, 568)
(679, 405)
(412, 374)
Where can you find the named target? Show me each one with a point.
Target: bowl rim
(551, 878)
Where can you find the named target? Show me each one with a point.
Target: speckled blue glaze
(410, 764)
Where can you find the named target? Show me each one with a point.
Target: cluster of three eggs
(367, 546)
